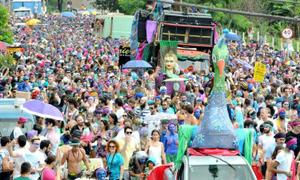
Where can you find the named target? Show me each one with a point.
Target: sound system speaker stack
(142, 19)
(190, 30)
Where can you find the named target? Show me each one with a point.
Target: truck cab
(10, 111)
(214, 166)
(23, 12)
(117, 25)
(31, 7)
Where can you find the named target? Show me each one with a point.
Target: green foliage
(125, 6)
(130, 6)
(240, 22)
(111, 5)
(7, 61)
(5, 32)
(281, 8)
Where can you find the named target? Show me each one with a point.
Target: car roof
(10, 109)
(216, 160)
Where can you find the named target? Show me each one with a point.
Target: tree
(130, 7)
(7, 61)
(111, 5)
(6, 34)
(60, 5)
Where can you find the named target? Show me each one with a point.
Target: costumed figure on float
(170, 77)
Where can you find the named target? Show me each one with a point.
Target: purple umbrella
(42, 109)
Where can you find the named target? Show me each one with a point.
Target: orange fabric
(221, 65)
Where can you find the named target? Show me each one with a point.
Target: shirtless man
(189, 117)
(74, 157)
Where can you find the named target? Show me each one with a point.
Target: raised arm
(163, 154)
(85, 160)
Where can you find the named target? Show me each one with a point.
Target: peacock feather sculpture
(216, 129)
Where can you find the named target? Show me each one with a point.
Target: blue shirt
(169, 110)
(114, 163)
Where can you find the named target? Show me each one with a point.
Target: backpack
(11, 136)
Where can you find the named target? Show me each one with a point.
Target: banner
(124, 51)
(124, 55)
(151, 27)
(260, 70)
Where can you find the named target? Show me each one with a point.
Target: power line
(245, 13)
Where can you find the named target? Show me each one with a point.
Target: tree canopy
(237, 22)
(5, 32)
(124, 6)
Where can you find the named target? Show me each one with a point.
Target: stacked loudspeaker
(142, 19)
(192, 29)
(188, 29)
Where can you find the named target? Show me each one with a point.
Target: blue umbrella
(244, 64)
(232, 36)
(134, 64)
(67, 14)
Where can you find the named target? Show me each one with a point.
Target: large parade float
(173, 40)
(176, 42)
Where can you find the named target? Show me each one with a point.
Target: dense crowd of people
(108, 110)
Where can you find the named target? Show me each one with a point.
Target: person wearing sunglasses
(73, 158)
(114, 161)
(128, 145)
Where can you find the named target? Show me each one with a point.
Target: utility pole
(59, 5)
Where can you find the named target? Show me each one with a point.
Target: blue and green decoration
(216, 129)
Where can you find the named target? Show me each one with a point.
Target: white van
(10, 111)
(23, 12)
(215, 167)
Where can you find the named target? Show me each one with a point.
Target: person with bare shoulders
(73, 158)
(155, 148)
(190, 118)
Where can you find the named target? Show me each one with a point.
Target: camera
(88, 124)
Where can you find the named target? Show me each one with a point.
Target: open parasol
(67, 14)
(39, 108)
(175, 80)
(32, 22)
(135, 64)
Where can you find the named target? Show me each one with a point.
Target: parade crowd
(108, 110)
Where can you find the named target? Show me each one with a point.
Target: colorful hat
(292, 142)
(151, 159)
(22, 120)
(75, 142)
(101, 174)
(31, 134)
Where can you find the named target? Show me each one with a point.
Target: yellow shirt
(127, 153)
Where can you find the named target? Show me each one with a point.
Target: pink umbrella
(2, 46)
(47, 61)
(69, 49)
(40, 56)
